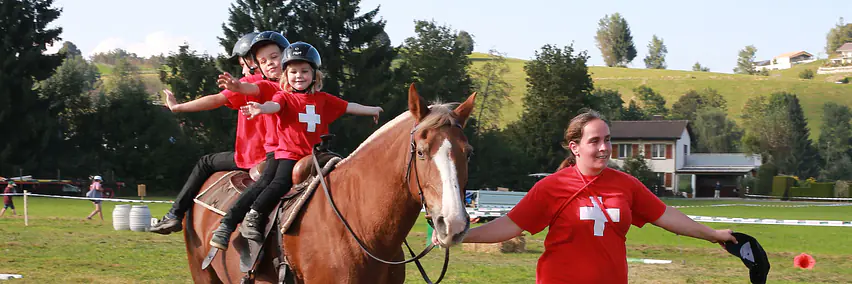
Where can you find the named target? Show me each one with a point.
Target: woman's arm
(200, 104)
(499, 230)
(676, 222)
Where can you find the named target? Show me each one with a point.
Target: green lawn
(59, 246)
(672, 84)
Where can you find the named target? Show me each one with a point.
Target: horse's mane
(440, 114)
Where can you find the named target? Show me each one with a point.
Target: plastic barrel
(121, 217)
(140, 218)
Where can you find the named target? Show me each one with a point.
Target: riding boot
(221, 237)
(170, 223)
(252, 226)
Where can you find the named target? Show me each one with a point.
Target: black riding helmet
(267, 37)
(302, 51)
(242, 49)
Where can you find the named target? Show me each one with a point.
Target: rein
(429, 247)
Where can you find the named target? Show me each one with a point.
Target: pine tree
(804, 160)
(615, 41)
(247, 16)
(834, 141)
(656, 58)
(24, 117)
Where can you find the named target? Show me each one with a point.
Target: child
(96, 191)
(304, 114)
(250, 147)
(7, 199)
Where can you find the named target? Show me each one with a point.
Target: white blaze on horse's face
(453, 218)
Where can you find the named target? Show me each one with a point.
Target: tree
(745, 61)
(24, 116)
(558, 85)
(466, 40)
(698, 68)
(686, 107)
(192, 76)
(615, 41)
(834, 140)
(717, 134)
(70, 49)
(437, 62)
(804, 160)
(806, 74)
(608, 103)
(652, 102)
(634, 112)
(247, 16)
(837, 36)
(656, 58)
(492, 90)
(638, 167)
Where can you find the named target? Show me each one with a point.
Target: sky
(709, 32)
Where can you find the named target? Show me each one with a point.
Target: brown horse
(372, 193)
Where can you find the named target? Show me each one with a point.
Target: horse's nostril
(439, 221)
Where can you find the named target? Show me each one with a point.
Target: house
(665, 146)
(786, 61)
(845, 54)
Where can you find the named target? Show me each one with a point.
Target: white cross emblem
(310, 117)
(595, 213)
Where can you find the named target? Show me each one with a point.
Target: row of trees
(59, 113)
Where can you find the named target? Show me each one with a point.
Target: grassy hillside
(674, 83)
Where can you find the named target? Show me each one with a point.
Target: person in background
(717, 190)
(7, 199)
(96, 191)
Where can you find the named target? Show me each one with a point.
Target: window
(685, 149)
(658, 151)
(625, 150)
(661, 178)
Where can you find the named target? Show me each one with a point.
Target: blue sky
(710, 32)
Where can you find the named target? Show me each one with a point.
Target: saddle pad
(219, 196)
(293, 205)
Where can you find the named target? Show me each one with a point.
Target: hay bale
(514, 245)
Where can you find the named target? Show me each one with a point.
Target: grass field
(672, 84)
(59, 246)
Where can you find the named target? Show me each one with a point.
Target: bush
(817, 189)
(764, 179)
(781, 186)
(841, 189)
(806, 74)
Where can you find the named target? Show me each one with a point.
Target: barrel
(140, 218)
(121, 217)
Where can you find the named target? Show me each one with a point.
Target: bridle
(429, 247)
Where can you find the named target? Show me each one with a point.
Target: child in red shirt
(304, 114)
(589, 209)
(7, 199)
(251, 146)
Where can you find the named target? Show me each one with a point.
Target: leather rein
(429, 247)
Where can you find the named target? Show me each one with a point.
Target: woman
(96, 191)
(588, 208)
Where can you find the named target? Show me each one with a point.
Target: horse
(417, 160)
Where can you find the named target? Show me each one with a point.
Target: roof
(720, 163)
(845, 47)
(761, 63)
(794, 54)
(648, 129)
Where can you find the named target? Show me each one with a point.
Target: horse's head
(440, 158)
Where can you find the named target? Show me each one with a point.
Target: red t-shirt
(303, 118)
(581, 245)
(7, 199)
(251, 144)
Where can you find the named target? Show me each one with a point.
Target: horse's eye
(420, 154)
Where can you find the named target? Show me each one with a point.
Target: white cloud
(154, 44)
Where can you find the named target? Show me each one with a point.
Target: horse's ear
(463, 110)
(416, 104)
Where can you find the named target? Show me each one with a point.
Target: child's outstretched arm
(359, 109)
(200, 104)
(253, 109)
(226, 81)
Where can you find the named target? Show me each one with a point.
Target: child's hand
(376, 112)
(171, 102)
(251, 110)
(226, 81)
